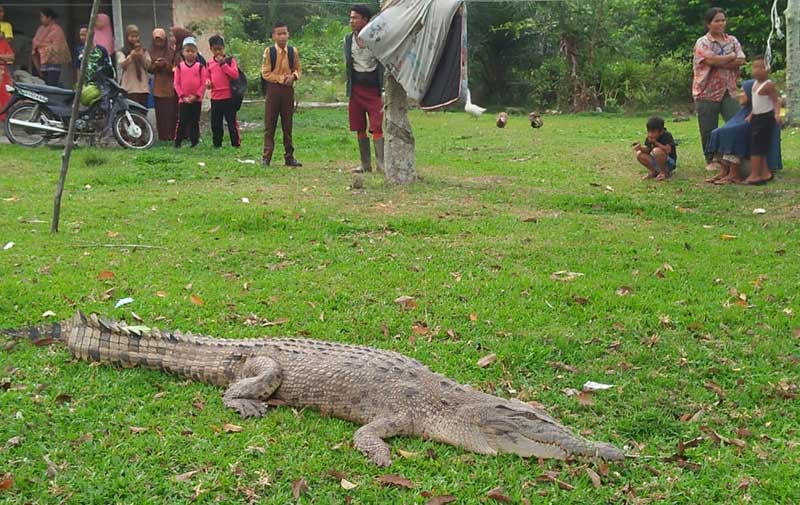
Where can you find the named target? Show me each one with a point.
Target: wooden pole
(75, 109)
(793, 62)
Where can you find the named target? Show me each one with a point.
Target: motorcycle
(39, 113)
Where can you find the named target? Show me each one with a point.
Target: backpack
(273, 58)
(238, 86)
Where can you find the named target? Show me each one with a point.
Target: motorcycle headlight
(9, 88)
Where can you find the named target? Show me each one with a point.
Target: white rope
(775, 19)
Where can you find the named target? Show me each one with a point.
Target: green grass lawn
(688, 304)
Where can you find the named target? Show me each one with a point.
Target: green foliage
(629, 54)
(320, 47)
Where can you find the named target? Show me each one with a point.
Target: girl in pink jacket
(221, 72)
(190, 81)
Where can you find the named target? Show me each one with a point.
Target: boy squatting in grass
(763, 119)
(658, 154)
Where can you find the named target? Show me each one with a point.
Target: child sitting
(763, 119)
(222, 71)
(190, 80)
(658, 153)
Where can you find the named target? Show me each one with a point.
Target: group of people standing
(751, 112)
(280, 70)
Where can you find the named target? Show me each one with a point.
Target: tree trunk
(75, 108)
(400, 164)
(793, 61)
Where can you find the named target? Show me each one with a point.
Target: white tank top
(761, 103)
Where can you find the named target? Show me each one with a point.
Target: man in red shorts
(364, 85)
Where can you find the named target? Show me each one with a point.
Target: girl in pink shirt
(222, 71)
(190, 81)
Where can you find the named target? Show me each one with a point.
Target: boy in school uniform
(221, 72)
(280, 69)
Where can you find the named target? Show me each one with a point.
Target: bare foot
(649, 175)
(718, 177)
(661, 177)
(713, 165)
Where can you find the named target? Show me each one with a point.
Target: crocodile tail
(516, 427)
(43, 334)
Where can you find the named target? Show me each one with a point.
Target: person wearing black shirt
(658, 154)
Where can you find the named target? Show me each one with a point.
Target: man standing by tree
(364, 84)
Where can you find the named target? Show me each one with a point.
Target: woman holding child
(718, 58)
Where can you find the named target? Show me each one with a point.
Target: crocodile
(385, 392)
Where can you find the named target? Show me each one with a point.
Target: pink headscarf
(103, 34)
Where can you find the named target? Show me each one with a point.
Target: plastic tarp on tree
(423, 44)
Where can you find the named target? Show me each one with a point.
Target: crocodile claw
(246, 407)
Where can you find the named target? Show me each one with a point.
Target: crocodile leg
(369, 438)
(259, 378)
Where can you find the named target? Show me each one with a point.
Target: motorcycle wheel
(124, 136)
(22, 135)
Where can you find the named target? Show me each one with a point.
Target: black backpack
(238, 87)
(273, 58)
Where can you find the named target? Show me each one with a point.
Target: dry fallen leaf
(299, 487)
(585, 398)
(407, 302)
(565, 276)
(487, 360)
(441, 500)
(197, 300)
(105, 275)
(624, 290)
(420, 328)
(596, 482)
(473, 317)
(186, 476)
(161, 294)
(395, 480)
(407, 454)
(498, 494)
(7, 481)
(346, 484)
(682, 446)
(726, 236)
(713, 386)
(49, 313)
(231, 428)
(136, 429)
(553, 477)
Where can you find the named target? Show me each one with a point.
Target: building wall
(204, 17)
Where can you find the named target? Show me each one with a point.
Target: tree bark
(75, 108)
(400, 166)
(793, 62)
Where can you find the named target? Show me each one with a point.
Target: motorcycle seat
(46, 90)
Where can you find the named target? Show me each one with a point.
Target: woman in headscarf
(6, 60)
(50, 51)
(133, 61)
(180, 33)
(162, 57)
(103, 34)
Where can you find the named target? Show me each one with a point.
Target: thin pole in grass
(75, 109)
